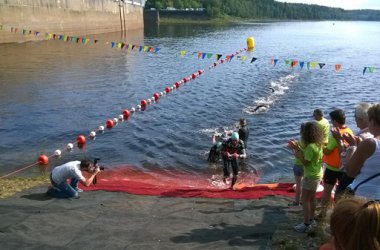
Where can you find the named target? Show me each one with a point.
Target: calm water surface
(52, 91)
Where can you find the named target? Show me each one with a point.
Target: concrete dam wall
(69, 17)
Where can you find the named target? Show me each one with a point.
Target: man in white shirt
(71, 170)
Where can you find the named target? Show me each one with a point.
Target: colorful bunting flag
(112, 44)
(308, 65)
(364, 70)
(253, 59)
(141, 48)
(371, 69)
(321, 65)
(243, 59)
(275, 61)
(302, 64)
(218, 56)
(203, 55)
(209, 55)
(182, 53)
(338, 67)
(287, 62)
(232, 56)
(23, 32)
(313, 65)
(95, 41)
(156, 50)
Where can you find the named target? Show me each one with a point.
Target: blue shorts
(298, 170)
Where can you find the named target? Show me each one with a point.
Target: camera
(96, 164)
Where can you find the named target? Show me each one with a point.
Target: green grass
(13, 185)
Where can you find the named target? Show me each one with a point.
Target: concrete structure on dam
(69, 17)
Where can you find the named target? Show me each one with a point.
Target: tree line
(266, 9)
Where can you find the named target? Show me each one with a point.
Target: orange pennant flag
(338, 67)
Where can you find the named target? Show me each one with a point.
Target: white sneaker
(79, 190)
(302, 228)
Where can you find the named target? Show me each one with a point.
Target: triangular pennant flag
(253, 59)
(294, 63)
(271, 61)
(54, 36)
(199, 55)
(84, 40)
(127, 46)
(60, 37)
(275, 61)
(112, 44)
(67, 39)
(228, 58)
(11, 29)
(133, 46)
(30, 32)
(302, 64)
(36, 33)
(122, 45)
(16, 29)
(119, 45)
(321, 65)
(156, 50)
(23, 32)
(141, 48)
(145, 48)
(338, 67)
(232, 56)
(313, 65)
(287, 62)
(78, 39)
(364, 70)
(371, 69)
(182, 53)
(203, 55)
(218, 56)
(95, 41)
(308, 65)
(243, 58)
(209, 55)
(151, 49)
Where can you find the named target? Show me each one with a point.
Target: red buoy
(200, 72)
(177, 84)
(126, 114)
(193, 75)
(143, 103)
(167, 89)
(81, 139)
(43, 159)
(109, 124)
(156, 96)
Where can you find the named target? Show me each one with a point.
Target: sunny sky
(345, 4)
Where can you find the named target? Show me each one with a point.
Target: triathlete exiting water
(232, 149)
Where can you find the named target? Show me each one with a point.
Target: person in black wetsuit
(232, 149)
(243, 132)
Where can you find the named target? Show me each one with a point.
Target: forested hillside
(265, 9)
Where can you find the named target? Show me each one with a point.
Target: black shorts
(331, 177)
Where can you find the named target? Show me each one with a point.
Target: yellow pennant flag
(119, 45)
(146, 48)
(243, 58)
(313, 64)
(182, 53)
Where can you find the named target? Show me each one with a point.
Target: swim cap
(235, 136)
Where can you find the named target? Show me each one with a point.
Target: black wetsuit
(243, 135)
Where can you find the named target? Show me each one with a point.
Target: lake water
(53, 91)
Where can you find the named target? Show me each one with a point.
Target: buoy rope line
(126, 114)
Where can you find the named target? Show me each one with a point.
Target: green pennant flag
(209, 55)
(371, 69)
(287, 62)
(23, 32)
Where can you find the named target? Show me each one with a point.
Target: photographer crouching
(72, 170)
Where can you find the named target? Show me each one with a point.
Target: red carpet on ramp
(184, 184)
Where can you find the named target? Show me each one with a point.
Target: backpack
(214, 154)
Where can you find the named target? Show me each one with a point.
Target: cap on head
(235, 136)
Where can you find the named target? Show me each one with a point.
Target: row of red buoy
(110, 123)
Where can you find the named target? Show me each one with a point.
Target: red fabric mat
(184, 184)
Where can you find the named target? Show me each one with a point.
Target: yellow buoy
(250, 43)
